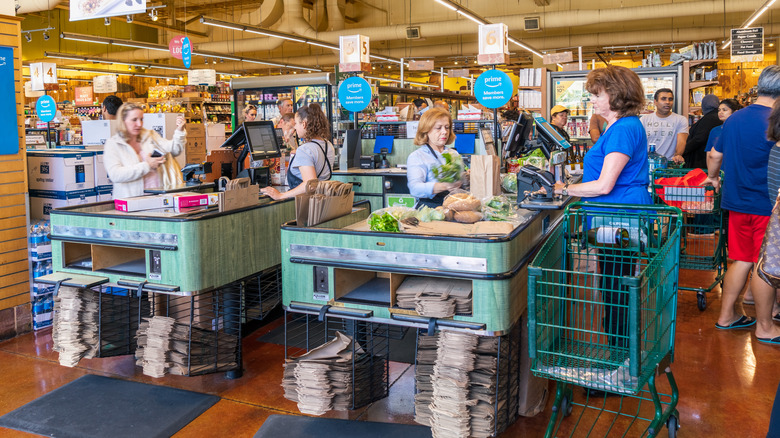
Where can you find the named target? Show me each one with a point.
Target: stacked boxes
(96, 132)
(103, 185)
(195, 150)
(59, 178)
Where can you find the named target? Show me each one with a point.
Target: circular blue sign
(355, 94)
(493, 89)
(46, 108)
(186, 52)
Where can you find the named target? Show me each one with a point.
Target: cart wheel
(672, 425)
(701, 300)
(566, 406)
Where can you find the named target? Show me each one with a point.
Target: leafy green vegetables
(383, 222)
(509, 182)
(451, 170)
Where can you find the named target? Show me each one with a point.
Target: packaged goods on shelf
(42, 202)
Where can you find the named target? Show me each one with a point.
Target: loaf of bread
(461, 202)
(467, 217)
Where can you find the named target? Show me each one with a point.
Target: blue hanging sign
(186, 52)
(46, 108)
(355, 94)
(8, 120)
(493, 89)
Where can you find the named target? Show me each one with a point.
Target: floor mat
(297, 426)
(401, 350)
(96, 406)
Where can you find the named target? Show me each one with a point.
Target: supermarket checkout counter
(381, 187)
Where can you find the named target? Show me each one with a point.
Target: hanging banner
(104, 84)
(421, 65)
(355, 94)
(43, 76)
(88, 9)
(83, 96)
(186, 52)
(174, 46)
(493, 89)
(747, 45)
(493, 44)
(202, 77)
(354, 54)
(46, 108)
(8, 120)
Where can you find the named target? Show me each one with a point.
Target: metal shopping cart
(702, 237)
(612, 329)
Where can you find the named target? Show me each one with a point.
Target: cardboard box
(101, 175)
(189, 200)
(96, 132)
(60, 170)
(139, 203)
(164, 124)
(105, 193)
(42, 202)
(215, 135)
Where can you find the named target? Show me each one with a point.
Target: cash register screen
(550, 135)
(261, 139)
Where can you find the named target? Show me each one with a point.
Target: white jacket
(126, 170)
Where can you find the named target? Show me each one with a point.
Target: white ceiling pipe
(27, 6)
(335, 16)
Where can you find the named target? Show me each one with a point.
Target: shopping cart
(702, 237)
(609, 330)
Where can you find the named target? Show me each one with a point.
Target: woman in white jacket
(128, 154)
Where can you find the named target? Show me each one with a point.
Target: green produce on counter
(451, 170)
(509, 182)
(383, 222)
(499, 208)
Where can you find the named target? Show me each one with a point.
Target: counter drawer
(362, 183)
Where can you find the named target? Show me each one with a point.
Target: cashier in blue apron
(434, 133)
(312, 159)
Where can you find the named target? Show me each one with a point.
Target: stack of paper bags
(450, 407)
(323, 201)
(426, 358)
(75, 324)
(485, 176)
(435, 297)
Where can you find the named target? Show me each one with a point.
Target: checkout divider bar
(124, 244)
(330, 310)
(150, 287)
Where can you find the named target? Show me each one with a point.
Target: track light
(107, 21)
(153, 14)
(45, 36)
(28, 37)
(129, 18)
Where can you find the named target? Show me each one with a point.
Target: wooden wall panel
(14, 272)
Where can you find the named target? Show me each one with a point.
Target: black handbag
(769, 259)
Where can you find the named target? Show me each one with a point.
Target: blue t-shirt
(745, 151)
(626, 136)
(714, 137)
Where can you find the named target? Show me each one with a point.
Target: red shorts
(746, 233)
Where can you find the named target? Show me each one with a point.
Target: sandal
(744, 321)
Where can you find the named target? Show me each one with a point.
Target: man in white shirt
(285, 106)
(668, 131)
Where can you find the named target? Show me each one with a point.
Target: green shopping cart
(602, 302)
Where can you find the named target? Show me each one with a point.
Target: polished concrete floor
(727, 382)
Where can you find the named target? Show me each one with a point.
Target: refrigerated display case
(568, 89)
(264, 92)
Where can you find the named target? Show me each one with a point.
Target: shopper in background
(434, 133)
(559, 117)
(694, 154)
(442, 104)
(110, 106)
(726, 108)
(314, 158)
(285, 106)
(743, 151)
(287, 125)
(419, 108)
(597, 127)
(250, 113)
(615, 171)
(128, 154)
(668, 131)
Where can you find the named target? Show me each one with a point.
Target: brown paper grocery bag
(485, 176)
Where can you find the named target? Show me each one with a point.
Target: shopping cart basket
(611, 329)
(702, 237)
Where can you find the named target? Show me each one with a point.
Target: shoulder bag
(769, 259)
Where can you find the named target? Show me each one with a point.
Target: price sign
(355, 94)
(493, 89)
(43, 76)
(46, 108)
(104, 84)
(186, 52)
(493, 44)
(354, 53)
(202, 77)
(83, 96)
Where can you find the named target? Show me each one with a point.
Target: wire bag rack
(262, 294)
(607, 329)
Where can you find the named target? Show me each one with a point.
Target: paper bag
(312, 208)
(485, 176)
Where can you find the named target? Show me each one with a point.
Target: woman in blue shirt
(726, 108)
(434, 133)
(615, 171)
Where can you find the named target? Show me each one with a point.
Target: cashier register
(260, 142)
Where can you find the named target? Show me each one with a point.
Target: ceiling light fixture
(129, 18)
(45, 36)
(28, 37)
(153, 15)
(107, 21)
(759, 12)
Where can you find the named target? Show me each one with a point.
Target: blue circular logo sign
(493, 89)
(46, 108)
(186, 52)
(355, 94)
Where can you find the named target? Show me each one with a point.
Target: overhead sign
(355, 94)
(28, 91)
(104, 84)
(421, 65)
(493, 89)
(747, 45)
(88, 9)
(558, 58)
(458, 73)
(186, 52)
(8, 120)
(174, 46)
(83, 96)
(493, 44)
(46, 108)
(43, 76)
(202, 77)
(354, 53)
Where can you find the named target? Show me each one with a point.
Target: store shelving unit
(690, 85)
(542, 89)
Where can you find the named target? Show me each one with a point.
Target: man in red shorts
(743, 150)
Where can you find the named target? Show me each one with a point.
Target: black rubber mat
(96, 406)
(296, 426)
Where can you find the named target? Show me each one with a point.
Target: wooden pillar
(15, 311)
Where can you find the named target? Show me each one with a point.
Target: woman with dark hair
(726, 108)
(434, 133)
(313, 159)
(615, 171)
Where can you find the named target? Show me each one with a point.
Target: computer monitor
(549, 135)
(261, 140)
(515, 144)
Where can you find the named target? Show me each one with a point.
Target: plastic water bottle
(654, 161)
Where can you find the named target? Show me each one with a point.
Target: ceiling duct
(27, 6)
(413, 33)
(531, 24)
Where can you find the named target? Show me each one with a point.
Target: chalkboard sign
(747, 45)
